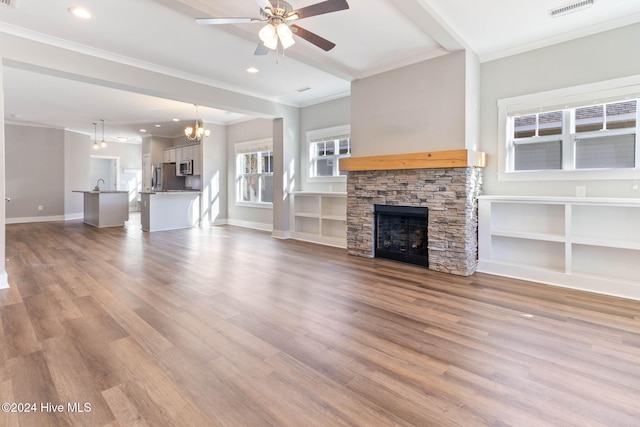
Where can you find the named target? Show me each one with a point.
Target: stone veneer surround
(451, 194)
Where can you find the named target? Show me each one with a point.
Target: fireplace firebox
(401, 233)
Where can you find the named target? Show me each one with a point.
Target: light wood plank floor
(227, 326)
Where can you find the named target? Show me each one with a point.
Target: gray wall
(416, 108)
(320, 116)
(45, 165)
(604, 56)
(34, 171)
(77, 149)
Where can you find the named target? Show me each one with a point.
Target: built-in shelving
(320, 217)
(584, 243)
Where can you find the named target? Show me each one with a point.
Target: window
(254, 167)
(600, 136)
(326, 148)
(574, 133)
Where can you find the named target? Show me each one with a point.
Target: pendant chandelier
(197, 131)
(95, 136)
(103, 143)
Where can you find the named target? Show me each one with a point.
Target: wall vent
(570, 8)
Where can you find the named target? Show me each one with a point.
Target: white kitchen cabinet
(584, 243)
(187, 152)
(169, 155)
(320, 217)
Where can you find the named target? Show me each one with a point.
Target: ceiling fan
(279, 29)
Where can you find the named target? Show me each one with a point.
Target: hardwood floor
(227, 326)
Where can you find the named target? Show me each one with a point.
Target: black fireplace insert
(401, 233)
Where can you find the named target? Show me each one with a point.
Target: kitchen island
(170, 210)
(105, 208)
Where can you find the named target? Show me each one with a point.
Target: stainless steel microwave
(186, 167)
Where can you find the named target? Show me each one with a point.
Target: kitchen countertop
(98, 192)
(172, 192)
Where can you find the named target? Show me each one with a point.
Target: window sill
(575, 175)
(327, 179)
(254, 205)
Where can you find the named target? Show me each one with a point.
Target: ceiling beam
(429, 21)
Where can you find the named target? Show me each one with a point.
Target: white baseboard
(279, 234)
(25, 219)
(69, 217)
(250, 224)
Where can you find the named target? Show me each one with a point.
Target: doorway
(106, 168)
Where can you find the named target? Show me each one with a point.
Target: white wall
(605, 56)
(320, 116)
(214, 176)
(416, 108)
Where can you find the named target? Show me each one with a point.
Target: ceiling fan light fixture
(269, 36)
(285, 35)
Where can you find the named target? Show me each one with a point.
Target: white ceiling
(372, 36)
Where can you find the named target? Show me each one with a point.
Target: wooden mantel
(427, 160)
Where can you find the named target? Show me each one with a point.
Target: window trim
(562, 99)
(254, 146)
(321, 134)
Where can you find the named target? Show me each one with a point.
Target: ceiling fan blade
(261, 49)
(216, 21)
(313, 38)
(327, 6)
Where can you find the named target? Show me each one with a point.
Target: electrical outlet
(40, 207)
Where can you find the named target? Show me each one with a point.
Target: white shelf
(584, 243)
(528, 235)
(320, 217)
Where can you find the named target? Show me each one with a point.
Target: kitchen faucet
(98, 184)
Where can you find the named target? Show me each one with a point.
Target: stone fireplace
(449, 193)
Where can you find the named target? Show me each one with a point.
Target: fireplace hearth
(450, 194)
(401, 233)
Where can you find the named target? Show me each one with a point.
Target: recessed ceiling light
(158, 126)
(142, 130)
(252, 70)
(176, 120)
(80, 12)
